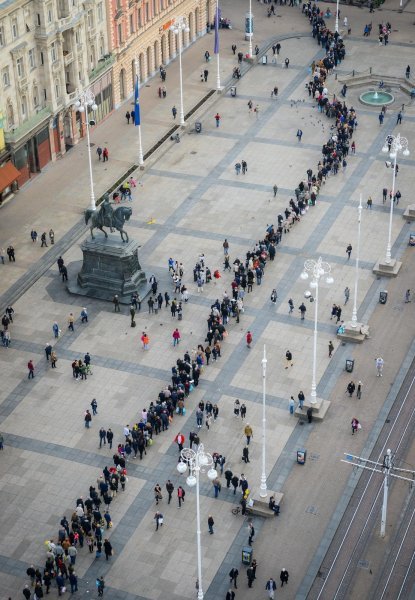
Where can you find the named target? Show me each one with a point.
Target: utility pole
(386, 468)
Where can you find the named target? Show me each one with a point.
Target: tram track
(347, 550)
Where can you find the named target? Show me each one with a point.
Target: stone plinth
(319, 409)
(110, 267)
(409, 213)
(387, 269)
(356, 334)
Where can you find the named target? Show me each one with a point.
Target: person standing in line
(346, 295)
(331, 348)
(284, 577)
(211, 523)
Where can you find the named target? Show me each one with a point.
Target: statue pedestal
(387, 269)
(110, 267)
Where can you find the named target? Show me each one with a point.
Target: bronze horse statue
(106, 216)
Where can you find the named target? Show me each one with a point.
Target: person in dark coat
(107, 549)
(284, 576)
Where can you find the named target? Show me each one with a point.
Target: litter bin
(301, 456)
(264, 59)
(383, 296)
(233, 91)
(349, 365)
(198, 127)
(247, 555)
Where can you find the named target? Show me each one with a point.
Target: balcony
(102, 66)
(33, 122)
(67, 57)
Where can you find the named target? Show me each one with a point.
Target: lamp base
(387, 269)
(356, 334)
(319, 409)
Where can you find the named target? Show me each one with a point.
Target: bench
(260, 507)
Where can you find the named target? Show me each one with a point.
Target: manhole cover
(193, 152)
(312, 510)
(363, 564)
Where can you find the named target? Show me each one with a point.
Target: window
(53, 52)
(42, 59)
(90, 19)
(20, 67)
(10, 115)
(50, 13)
(35, 96)
(23, 106)
(38, 19)
(155, 7)
(147, 12)
(139, 18)
(162, 4)
(57, 88)
(100, 11)
(119, 33)
(5, 76)
(78, 36)
(32, 58)
(101, 46)
(2, 38)
(15, 30)
(131, 23)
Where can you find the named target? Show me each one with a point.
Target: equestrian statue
(106, 216)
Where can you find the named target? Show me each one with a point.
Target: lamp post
(85, 101)
(356, 279)
(178, 28)
(393, 144)
(140, 146)
(317, 269)
(263, 488)
(217, 46)
(337, 17)
(249, 27)
(197, 461)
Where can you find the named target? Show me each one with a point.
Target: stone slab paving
(196, 200)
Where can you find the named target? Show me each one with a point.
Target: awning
(8, 174)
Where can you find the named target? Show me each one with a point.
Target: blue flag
(137, 120)
(217, 17)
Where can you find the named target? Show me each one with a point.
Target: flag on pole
(137, 120)
(217, 17)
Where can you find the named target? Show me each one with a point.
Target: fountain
(375, 98)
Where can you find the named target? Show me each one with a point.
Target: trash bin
(264, 59)
(247, 555)
(233, 91)
(301, 456)
(349, 365)
(383, 296)
(198, 127)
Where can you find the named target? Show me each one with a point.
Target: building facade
(140, 30)
(50, 50)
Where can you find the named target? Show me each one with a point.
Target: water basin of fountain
(377, 98)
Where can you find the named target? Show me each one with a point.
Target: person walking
(180, 495)
(379, 362)
(284, 577)
(349, 251)
(71, 321)
(355, 425)
(250, 575)
(174, 112)
(331, 348)
(243, 411)
(275, 189)
(102, 437)
(249, 339)
(233, 575)
(271, 586)
(105, 154)
(157, 493)
(301, 399)
(176, 337)
(99, 152)
(407, 296)
(230, 595)
(289, 359)
(351, 388)
(245, 454)
(31, 369)
(128, 117)
(100, 586)
(145, 340)
(290, 306)
(159, 519)
(169, 490)
(302, 310)
(87, 419)
(399, 118)
(211, 523)
(248, 433)
(359, 390)
(299, 134)
(346, 295)
(251, 531)
(116, 302)
(217, 119)
(291, 405)
(369, 203)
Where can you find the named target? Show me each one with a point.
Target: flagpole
(217, 46)
(140, 146)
